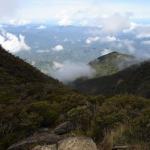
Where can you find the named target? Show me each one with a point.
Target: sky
(72, 12)
(123, 25)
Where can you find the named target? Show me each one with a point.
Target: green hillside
(133, 80)
(111, 63)
(31, 101)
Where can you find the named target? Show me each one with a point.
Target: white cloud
(109, 39)
(81, 12)
(13, 43)
(33, 63)
(43, 51)
(77, 14)
(58, 48)
(2, 39)
(104, 39)
(91, 40)
(57, 65)
(129, 45)
(41, 27)
(115, 23)
(106, 51)
(19, 22)
(143, 35)
(69, 71)
(131, 28)
(146, 42)
(65, 21)
(142, 31)
(131, 48)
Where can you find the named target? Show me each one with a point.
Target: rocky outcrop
(57, 139)
(53, 142)
(46, 147)
(44, 136)
(64, 128)
(77, 143)
(71, 143)
(40, 138)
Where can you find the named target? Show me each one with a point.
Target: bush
(44, 110)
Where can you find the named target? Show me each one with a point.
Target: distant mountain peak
(114, 54)
(112, 63)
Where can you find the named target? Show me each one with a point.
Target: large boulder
(77, 143)
(46, 147)
(71, 143)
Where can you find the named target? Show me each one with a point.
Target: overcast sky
(72, 11)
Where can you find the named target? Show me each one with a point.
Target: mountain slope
(29, 100)
(112, 63)
(33, 104)
(133, 80)
(15, 68)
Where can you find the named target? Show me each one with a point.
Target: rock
(43, 130)
(39, 138)
(71, 143)
(64, 128)
(77, 143)
(47, 147)
(125, 147)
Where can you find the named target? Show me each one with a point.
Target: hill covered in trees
(112, 63)
(31, 101)
(133, 80)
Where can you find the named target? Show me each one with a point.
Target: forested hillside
(133, 80)
(31, 101)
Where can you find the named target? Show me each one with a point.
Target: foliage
(111, 63)
(133, 80)
(29, 101)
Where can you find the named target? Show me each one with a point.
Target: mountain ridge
(10, 65)
(35, 105)
(112, 63)
(132, 80)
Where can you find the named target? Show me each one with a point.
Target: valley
(33, 105)
(74, 75)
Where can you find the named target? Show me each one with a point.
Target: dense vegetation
(133, 80)
(29, 101)
(111, 63)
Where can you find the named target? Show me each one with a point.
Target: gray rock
(46, 147)
(39, 138)
(71, 143)
(77, 143)
(64, 128)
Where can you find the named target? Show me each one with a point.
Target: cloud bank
(115, 23)
(13, 43)
(91, 40)
(106, 51)
(41, 27)
(58, 48)
(69, 71)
